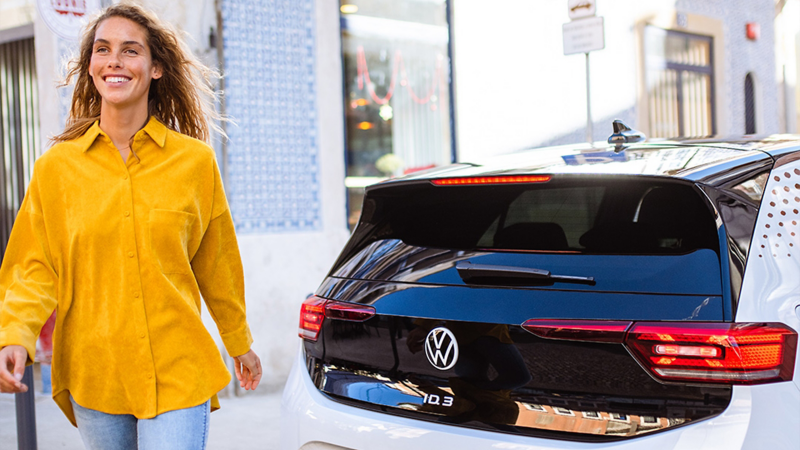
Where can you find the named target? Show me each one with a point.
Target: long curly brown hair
(182, 99)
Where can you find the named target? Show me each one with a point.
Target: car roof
(704, 160)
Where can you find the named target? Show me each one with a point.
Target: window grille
(680, 83)
(19, 128)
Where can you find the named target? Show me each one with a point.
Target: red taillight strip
(578, 330)
(349, 311)
(502, 179)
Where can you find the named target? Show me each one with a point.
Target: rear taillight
(315, 309)
(737, 353)
(312, 313)
(726, 353)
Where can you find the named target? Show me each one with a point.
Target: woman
(123, 228)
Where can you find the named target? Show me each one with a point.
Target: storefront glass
(397, 90)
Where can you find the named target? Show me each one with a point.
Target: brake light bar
(315, 309)
(501, 179)
(696, 352)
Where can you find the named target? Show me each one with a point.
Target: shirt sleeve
(28, 279)
(217, 267)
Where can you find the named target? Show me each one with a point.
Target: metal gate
(19, 128)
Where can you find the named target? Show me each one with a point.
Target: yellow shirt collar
(155, 129)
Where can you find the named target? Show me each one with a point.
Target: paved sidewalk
(251, 421)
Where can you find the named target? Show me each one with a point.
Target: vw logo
(441, 348)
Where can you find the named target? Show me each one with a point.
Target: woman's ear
(157, 72)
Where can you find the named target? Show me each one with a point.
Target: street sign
(584, 35)
(579, 9)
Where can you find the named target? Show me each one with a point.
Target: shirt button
(125, 176)
(130, 254)
(136, 294)
(149, 376)
(142, 336)
(127, 213)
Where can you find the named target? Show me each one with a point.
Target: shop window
(397, 90)
(680, 83)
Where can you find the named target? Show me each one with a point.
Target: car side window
(754, 187)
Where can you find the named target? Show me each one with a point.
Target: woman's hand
(248, 370)
(12, 367)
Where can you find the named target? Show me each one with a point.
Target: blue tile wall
(273, 160)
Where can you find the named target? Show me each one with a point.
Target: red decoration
(437, 82)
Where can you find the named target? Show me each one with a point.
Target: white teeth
(116, 79)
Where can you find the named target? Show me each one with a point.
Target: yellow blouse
(124, 251)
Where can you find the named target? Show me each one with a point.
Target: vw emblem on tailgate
(441, 348)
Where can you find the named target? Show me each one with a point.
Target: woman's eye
(131, 52)
(100, 50)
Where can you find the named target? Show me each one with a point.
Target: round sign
(66, 17)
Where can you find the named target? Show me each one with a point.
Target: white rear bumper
(759, 417)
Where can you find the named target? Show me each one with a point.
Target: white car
(639, 296)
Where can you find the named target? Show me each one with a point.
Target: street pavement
(251, 421)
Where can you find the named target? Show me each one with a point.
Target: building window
(749, 106)
(562, 411)
(397, 90)
(534, 407)
(619, 417)
(680, 83)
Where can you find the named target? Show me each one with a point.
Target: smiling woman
(124, 230)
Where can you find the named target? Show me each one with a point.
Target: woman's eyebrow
(105, 42)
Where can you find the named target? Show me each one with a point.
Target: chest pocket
(170, 232)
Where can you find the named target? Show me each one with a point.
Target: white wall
(14, 13)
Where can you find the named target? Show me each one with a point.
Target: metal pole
(26, 414)
(588, 104)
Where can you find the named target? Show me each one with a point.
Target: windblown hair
(182, 99)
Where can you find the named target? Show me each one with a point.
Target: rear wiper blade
(474, 272)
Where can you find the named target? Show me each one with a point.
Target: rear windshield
(620, 215)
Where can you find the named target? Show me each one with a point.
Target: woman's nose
(114, 61)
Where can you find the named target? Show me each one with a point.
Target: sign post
(585, 33)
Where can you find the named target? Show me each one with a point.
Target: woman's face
(121, 65)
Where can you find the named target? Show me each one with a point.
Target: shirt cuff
(19, 336)
(237, 342)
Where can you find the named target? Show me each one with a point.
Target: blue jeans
(183, 429)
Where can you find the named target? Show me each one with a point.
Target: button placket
(135, 284)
